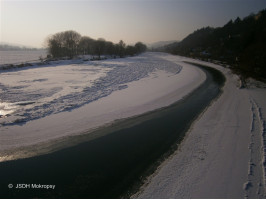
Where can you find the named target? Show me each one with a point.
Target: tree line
(70, 43)
(240, 43)
(7, 47)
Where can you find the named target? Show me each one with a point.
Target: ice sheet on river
(33, 93)
(62, 102)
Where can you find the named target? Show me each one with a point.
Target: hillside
(240, 43)
(160, 44)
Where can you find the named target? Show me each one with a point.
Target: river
(115, 165)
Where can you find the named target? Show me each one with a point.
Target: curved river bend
(112, 166)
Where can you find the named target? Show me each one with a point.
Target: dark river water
(115, 165)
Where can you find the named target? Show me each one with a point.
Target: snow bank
(223, 155)
(69, 100)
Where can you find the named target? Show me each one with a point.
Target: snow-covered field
(17, 57)
(44, 104)
(223, 154)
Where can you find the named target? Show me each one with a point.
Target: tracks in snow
(255, 187)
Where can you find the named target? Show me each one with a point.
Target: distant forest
(240, 43)
(70, 43)
(7, 47)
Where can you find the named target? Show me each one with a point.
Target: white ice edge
(215, 159)
(159, 89)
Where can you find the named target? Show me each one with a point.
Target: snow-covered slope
(58, 101)
(223, 155)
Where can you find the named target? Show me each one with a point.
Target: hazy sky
(30, 22)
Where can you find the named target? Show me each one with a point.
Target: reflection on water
(7, 108)
(9, 112)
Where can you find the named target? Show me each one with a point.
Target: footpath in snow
(45, 105)
(223, 154)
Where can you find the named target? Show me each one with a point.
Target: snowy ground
(41, 105)
(18, 57)
(223, 155)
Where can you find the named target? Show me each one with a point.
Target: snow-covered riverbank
(223, 155)
(74, 99)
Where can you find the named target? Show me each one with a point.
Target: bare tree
(55, 45)
(64, 44)
(109, 48)
(140, 47)
(70, 43)
(86, 45)
(130, 50)
(122, 48)
(99, 47)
